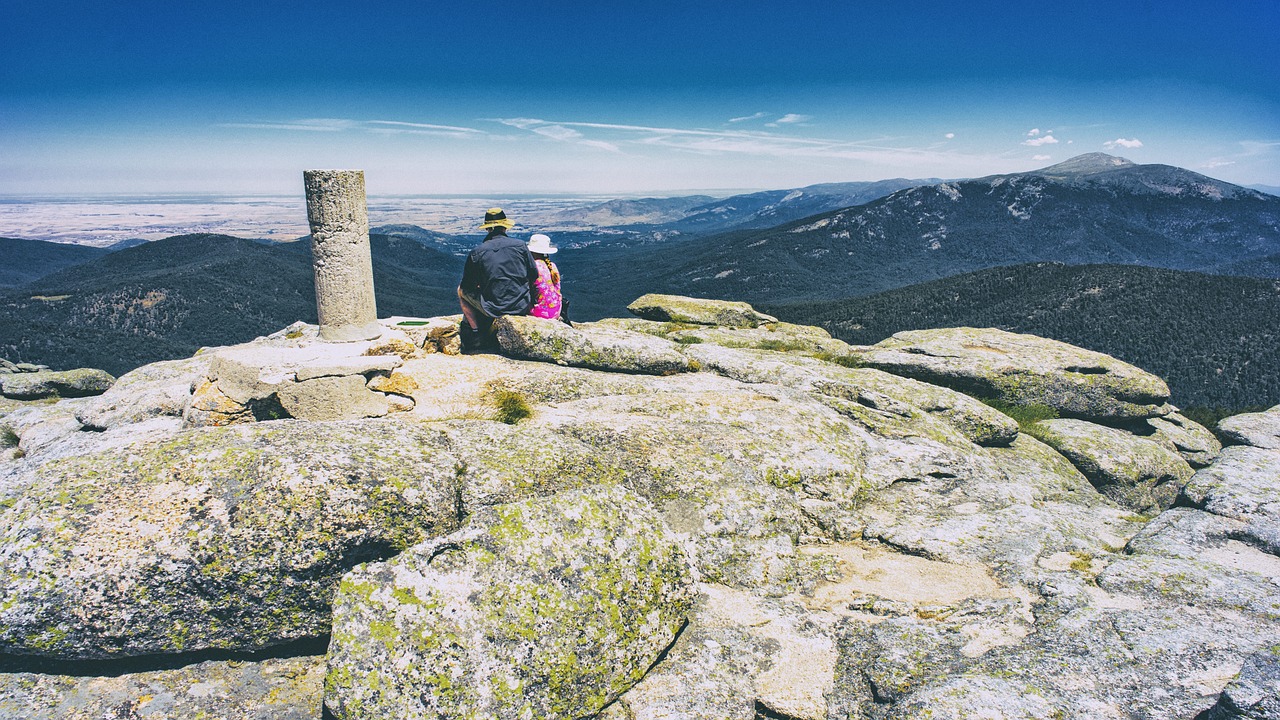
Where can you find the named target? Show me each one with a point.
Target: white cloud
(1041, 157)
(1217, 163)
(790, 119)
(425, 126)
(949, 136)
(1121, 142)
(793, 118)
(1033, 132)
(1044, 140)
(557, 132)
(745, 118)
(380, 127)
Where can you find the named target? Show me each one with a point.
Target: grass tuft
(1025, 415)
(512, 406)
(8, 438)
(849, 361)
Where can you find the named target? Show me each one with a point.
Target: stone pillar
(340, 255)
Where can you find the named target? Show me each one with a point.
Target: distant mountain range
(1095, 208)
(702, 214)
(86, 306)
(1213, 338)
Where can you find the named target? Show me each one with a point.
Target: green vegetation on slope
(166, 299)
(1215, 339)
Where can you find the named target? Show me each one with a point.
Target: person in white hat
(548, 300)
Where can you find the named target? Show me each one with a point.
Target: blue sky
(501, 97)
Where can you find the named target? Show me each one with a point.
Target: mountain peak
(1087, 163)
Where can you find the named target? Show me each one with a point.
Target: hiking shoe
(469, 338)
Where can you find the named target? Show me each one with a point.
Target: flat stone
(332, 398)
(1023, 370)
(698, 311)
(531, 338)
(1137, 473)
(82, 382)
(1256, 429)
(351, 366)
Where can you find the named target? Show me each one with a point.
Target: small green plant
(512, 407)
(688, 339)
(781, 345)
(293, 334)
(8, 438)
(1083, 561)
(1027, 416)
(849, 361)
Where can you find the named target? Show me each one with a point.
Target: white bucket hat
(541, 244)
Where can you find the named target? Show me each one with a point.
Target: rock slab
(697, 311)
(1023, 370)
(546, 608)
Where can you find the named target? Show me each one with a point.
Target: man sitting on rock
(498, 279)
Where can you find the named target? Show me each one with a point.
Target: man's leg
(469, 311)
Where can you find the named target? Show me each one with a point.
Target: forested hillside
(168, 298)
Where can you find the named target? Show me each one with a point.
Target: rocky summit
(697, 513)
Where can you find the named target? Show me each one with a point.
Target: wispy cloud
(1041, 157)
(307, 125)
(745, 118)
(380, 127)
(1217, 163)
(790, 119)
(1033, 132)
(949, 136)
(411, 126)
(706, 141)
(1122, 143)
(1042, 140)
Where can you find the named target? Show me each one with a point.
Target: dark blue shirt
(503, 272)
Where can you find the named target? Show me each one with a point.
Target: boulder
(210, 407)
(272, 689)
(980, 423)
(155, 390)
(1244, 484)
(1135, 472)
(697, 311)
(1193, 441)
(531, 338)
(48, 383)
(1254, 694)
(229, 538)
(546, 608)
(1023, 370)
(332, 397)
(1261, 429)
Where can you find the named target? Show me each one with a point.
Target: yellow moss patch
(403, 348)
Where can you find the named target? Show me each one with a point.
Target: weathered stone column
(340, 255)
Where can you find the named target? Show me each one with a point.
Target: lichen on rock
(545, 608)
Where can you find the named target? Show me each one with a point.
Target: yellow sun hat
(494, 217)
